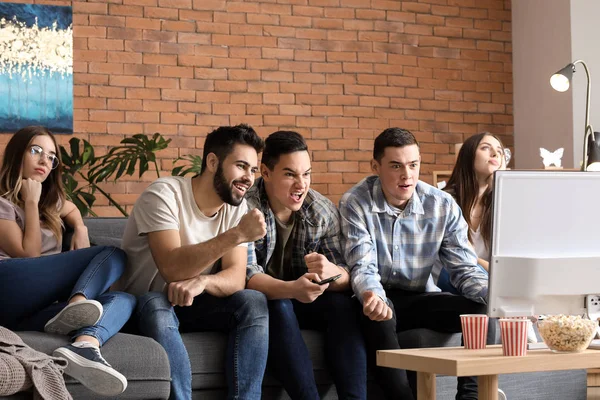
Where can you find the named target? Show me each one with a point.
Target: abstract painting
(36, 67)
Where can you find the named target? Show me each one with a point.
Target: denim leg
(335, 314)
(117, 309)
(244, 315)
(248, 344)
(289, 360)
(156, 319)
(30, 285)
(102, 271)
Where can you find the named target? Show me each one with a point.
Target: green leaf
(194, 165)
(74, 143)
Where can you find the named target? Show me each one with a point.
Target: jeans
(34, 290)
(156, 318)
(436, 311)
(243, 315)
(289, 360)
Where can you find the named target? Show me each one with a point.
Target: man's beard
(224, 190)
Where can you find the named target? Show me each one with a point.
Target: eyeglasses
(37, 152)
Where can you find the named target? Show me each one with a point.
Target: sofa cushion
(143, 362)
(106, 231)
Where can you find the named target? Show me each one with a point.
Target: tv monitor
(545, 242)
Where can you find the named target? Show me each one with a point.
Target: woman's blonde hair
(11, 173)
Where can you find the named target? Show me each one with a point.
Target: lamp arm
(588, 129)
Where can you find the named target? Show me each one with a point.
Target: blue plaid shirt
(316, 228)
(385, 250)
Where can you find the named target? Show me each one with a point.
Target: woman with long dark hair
(43, 289)
(471, 185)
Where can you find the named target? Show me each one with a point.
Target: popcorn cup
(474, 329)
(514, 336)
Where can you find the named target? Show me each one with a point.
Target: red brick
(105, 20)
(135, 93)
(106, 115)
(197, 108)
(129, 105)
(162, 83)
(106, 91)
(231, 86)
(174, 94)
(140, 69)
(126, 81)
(177, 72)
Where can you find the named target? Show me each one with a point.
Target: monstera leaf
(84, 200)
(83, 171)
(120, 160)
(74, 162)
(194, 165)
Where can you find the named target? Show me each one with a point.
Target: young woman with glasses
(43, 289)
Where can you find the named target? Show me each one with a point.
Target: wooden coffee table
(486, 364)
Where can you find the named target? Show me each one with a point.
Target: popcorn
(567, 333)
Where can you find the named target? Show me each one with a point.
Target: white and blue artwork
(36, 67)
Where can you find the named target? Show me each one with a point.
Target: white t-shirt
(168, 203)
(479, 244)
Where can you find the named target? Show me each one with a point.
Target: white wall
(585, 45)
(541, 40)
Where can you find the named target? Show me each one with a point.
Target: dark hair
(222, 140)
(464, 186)
(280, 143)
(53, 193)
(392, 137)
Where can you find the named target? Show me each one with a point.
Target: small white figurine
(551, 158)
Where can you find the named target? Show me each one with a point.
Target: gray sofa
(145, 364)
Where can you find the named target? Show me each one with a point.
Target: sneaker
(86, 364)
(501, 395)
(75, 316)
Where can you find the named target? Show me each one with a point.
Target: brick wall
(337, 71)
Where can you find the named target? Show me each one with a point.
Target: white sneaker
(501, 395)
(75, 316)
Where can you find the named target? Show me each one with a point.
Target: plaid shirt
(388, 251)
(316, 228)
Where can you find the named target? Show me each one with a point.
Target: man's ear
(375, 166)
(265, 172)
(212, 162)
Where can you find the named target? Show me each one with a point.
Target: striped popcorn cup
(514, 336)
(474, 329)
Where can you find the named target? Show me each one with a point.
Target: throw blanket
(21, 367)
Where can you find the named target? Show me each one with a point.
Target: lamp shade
(560, 81)
(593, 163)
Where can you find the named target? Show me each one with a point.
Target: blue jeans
(156, 318)
(34, 290)
(333, 313)
(243, 315)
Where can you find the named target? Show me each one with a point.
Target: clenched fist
(31, 190)
(182, 293)
(375, 308)
(252, 226)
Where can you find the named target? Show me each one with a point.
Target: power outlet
(592, 304)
